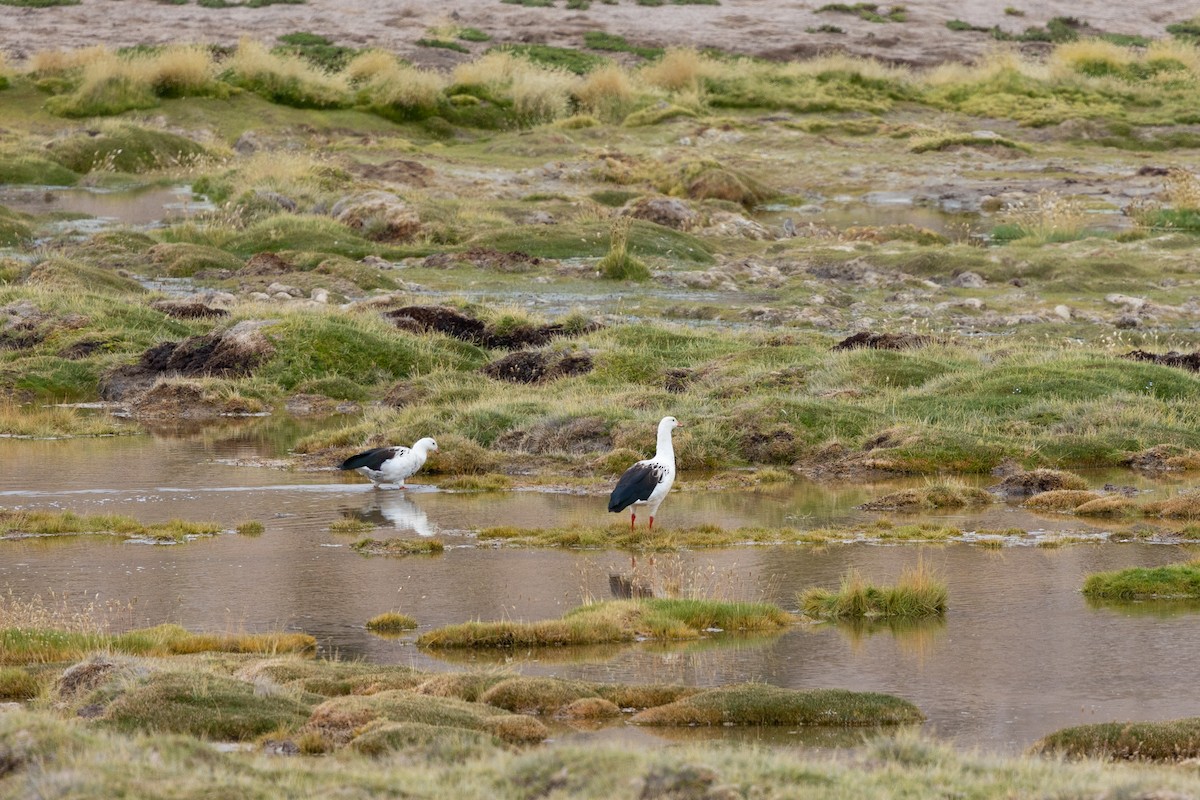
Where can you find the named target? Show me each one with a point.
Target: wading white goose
(391, 464)
(648, 482)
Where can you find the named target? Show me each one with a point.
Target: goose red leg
(651, 522)
(632, 519)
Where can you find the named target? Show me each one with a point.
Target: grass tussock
(1175, 740)
(20, 524)
(619, 264)
(619, 537)
(56, 423)
(937, 494)
(760, 704)
(391, 622)
(398, 547)
(1172, 582)
(619, 621)
(1061, 500)
(25, 645)
(919, 592)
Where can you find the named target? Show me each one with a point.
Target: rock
(968, 280)
(320, 295)
(315, 405)
(727, 223)
(376, 261)
(277, 288)
(276, 199)
(283, 296)
(540, 218)
(1133, 304)
(1064, 312)
(247, 143)
(378, 215)
(1127, 321)
(669, 212)
(265, 264)
(261, 297)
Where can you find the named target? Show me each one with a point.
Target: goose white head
(425, 445)
(666, 450)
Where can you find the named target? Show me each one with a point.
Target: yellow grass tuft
(1060, 500)
(606, 92)
(542, 95)
(45, 63)
(679, 69)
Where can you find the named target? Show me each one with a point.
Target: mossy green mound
(125, 148)
(760, 704)
(617, 621)
(1176, 740)
(205, 706)
(418, 740)
(1174, 581)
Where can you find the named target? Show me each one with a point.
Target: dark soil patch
(1036, 481)
(232, 353)
(83, 677)
(83, 349)
(777, 445)
(187, 309)
(676, 381)
(265, 264)
(174, 401)
(1163, 458)
(20, 339)
(534, 367)
(441, 319)
(883, 341)
(1172, 359)
(489, 259)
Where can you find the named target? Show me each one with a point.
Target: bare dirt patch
(442, 319)
(1172, 359)
(534, 367)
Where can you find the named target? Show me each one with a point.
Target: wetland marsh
(927, 324)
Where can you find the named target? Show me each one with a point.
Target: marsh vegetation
(828, 267)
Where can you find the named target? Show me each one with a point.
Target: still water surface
(1020, 653)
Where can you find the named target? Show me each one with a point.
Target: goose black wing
(636, 484)
(372, 459)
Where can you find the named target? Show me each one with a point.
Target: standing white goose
(391, 464)
(648, 482)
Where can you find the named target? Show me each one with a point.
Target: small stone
(282, 288)
(1064, 312)
(320, 295)
(968, 280)
(283, 296)
(259, 296)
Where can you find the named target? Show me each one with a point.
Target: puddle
(1020, 653)
(102, 208)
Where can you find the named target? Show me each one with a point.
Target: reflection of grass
(1161, 608)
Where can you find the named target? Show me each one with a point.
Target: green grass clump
(938, 494)
(351, 526)
(398, 547)
(45, 645)
(125, 148)
(1174, 581)
(30, 169)
(301, 232)
(594, 239)
(1175, 740)
(575, 61)
(474, 35)
(445, 44)
(205, 706)
(619, 621)
(341, 718)
(940, 143)
(14, 229)
(333, 678)
(320, 51)
(761, 704)
(532, 695)
(17, 685)
(391, 622)
(918, 593)
(15, 523)
(618, 264)
(183, 260)
(487, 482)
(251, 528)
(1187, 31)
(418, 740)
(869, 11)
(1060, 500)
(615, 43)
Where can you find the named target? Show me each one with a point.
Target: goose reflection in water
(397, 510)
